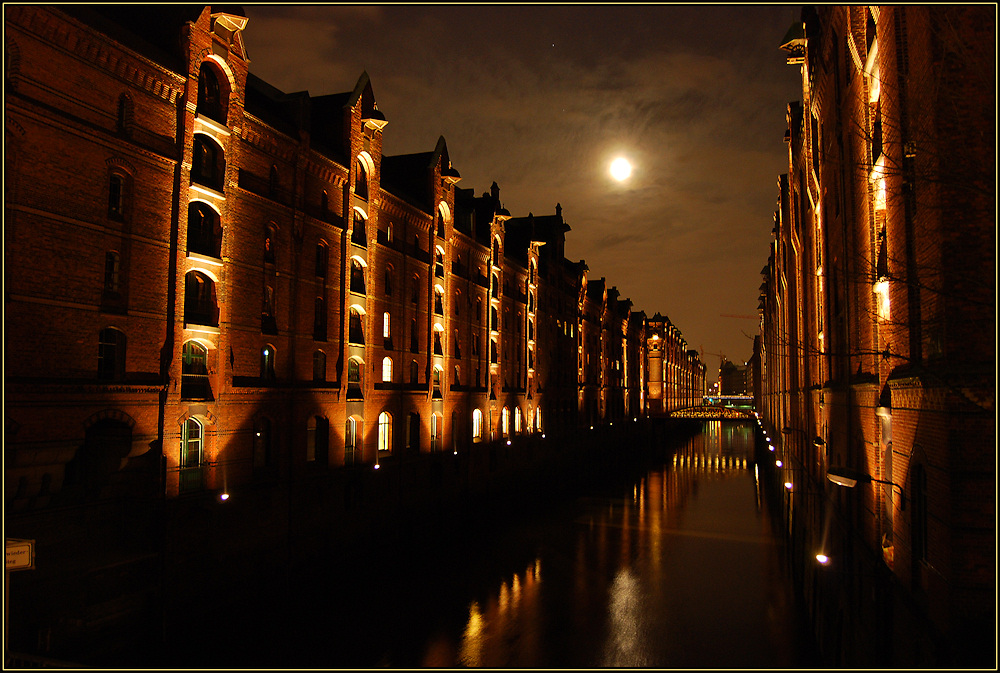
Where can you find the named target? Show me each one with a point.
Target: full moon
(621, 169)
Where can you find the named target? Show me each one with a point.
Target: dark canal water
(673, 566)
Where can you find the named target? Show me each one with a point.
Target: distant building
(734, 379)
(878, 348)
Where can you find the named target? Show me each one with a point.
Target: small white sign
(20, 555)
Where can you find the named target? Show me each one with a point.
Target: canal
(671, 565)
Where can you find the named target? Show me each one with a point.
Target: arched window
(194, 372)
(356, 332)
(517, 420)
(494, 352)
(414, 372)
(456, 345)
(415, 289)
(192, 436)
(438, 346)
(414, 337)
(505, 421)
(351, 444)
(117, 188)
(357, 276)
(438, 300)
(494, 319)
(437, 430)
(456, 306)
(204, 232)
(358, 234)
(270, 240)
(439, 263)
(111, 354)
(479, 309)
(272, 181)
(437, 377)
(361, 185)
(477, 425)
(387, 370)
(496, 252)
(384, 432)
(267, 356)
(319, 319)
(322, 259)
(354, 373)
(209, 163)
(319, 366)
(440, 225)
(212, 101)
(388, 280)
(199, 300)
(458, 380)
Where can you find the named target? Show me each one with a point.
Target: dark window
(267, 363)
(440, 225)
(211, 102)
(322, 258)
(357, 277)
(111, 355)
(356, 333)
(204, 233)
(270, 239)
(439, 264)
(438, 349)
(209, 165)
(319, 366)
(272, 182)
(263, 452)
(439, 302)
(199, 300)
(319, 320)
(414, 338)
(413, 371)
(361, 185)
(358, 235)
(415, 290)
(116, 196)
(388, 281)
(112, 272)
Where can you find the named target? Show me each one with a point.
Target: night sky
(541, 98)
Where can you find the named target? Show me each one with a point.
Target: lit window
(477, 425)
(191, 443)
(505, 421)
(385, 326)
(384, 432)
(386, 370)
(267, 363)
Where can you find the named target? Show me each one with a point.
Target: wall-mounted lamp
(842, 476)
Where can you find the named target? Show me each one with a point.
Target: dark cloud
(540, 98)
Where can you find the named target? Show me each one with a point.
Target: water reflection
(656, 571)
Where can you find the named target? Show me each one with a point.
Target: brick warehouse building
(234, 292)
(877, 353)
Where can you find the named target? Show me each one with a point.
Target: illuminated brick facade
(878, 349)
(212, 283)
